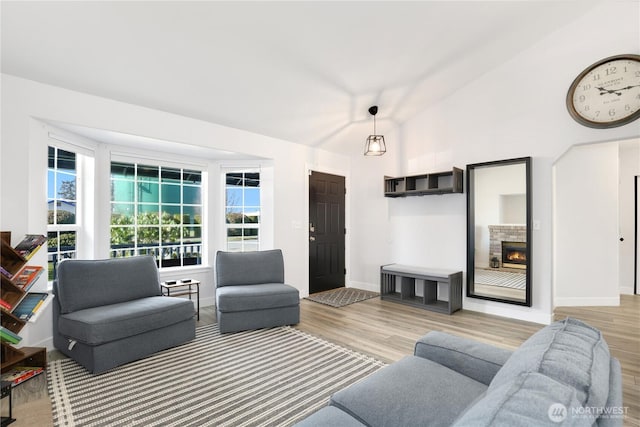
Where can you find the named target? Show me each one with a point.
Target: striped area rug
(505, 279)
(342, 296)
(267, 377)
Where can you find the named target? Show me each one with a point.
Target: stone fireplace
(507, 243)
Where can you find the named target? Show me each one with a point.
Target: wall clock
(607, 93)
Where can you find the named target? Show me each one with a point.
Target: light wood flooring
(388, 331)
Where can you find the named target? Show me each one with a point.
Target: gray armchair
(251, 293)
(110, 312)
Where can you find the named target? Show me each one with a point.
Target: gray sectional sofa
(562, 375)
(110, 312)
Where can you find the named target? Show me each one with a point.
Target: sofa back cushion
(568, 351)
(529, 399)
(249, 268)
(93, 283)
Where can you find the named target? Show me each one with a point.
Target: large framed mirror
(499, 231)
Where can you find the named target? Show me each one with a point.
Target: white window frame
(85, 178)
(140, 159)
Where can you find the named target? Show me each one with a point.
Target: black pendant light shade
(375, 145)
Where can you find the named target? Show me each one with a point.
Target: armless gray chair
(251, 293)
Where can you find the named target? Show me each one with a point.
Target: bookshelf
(16, 280)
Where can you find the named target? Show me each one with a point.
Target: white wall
(515, 110)
(629, 155)
(586, 226)
(23, 157)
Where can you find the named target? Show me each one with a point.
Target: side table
(181, 287)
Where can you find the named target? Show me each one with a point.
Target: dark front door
(326, 232)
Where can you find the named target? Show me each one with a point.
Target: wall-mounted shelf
(421, 185)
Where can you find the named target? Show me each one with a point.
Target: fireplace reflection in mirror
(514, 255)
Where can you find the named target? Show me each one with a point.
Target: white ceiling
(300, 71)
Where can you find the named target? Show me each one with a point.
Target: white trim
(156, 159)
(587, 301)
(373, 287)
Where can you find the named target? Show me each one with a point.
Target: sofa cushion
(569, 351)
(256, 297)
(93, 283)
(474, 359)
(98, 325)
(249, 268)
(529, 399)
(411, 392)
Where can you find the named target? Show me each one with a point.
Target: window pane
(122, 170)
(171, 235)
(252, 197)
(235, 179)
(252, 179)
(191, 195)
(66, 161)
(171, 176)
(250, 233)
(122, 237)
(234, 216)
(252, 216)
(148, 214)
(52, 158)
(234, 197)
(148, 192)
(148, 173)
(192, 177)
(192, 234)
(170, 214)
(170, 193)
(65, 212)
(65, 186)
(192, 215)
(51, 185)
(148, 236)
(122, 213)
(122, 191)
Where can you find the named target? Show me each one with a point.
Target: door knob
(312, 239)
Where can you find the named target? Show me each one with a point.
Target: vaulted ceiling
(301, 71)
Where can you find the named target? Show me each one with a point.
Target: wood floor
(388, 331)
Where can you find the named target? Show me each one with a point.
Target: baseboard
(364, 286)
(526, 314)
(582, 302)
(626, 290)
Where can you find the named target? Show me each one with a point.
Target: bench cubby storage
(399, 283)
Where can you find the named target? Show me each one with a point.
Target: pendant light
(375, 145)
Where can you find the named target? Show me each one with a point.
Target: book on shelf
(30, 305)
(5, 305)
(30, 245)
(5, 273)
(27, 276)
(8, 336)
(21, 373)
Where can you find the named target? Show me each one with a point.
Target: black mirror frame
(471, 230)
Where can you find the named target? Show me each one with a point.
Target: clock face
(607, 94)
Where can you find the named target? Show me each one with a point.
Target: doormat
(342, 296)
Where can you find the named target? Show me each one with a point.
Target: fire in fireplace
(514, 254)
